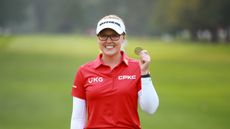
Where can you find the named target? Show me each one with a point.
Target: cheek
(100, 44)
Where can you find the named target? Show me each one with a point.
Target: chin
(110, 53)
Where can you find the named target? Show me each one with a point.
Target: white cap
(112, 23)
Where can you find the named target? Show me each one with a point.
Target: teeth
(109, 46)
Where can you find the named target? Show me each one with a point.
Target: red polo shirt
(111, 95)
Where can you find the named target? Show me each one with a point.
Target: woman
(106, 91)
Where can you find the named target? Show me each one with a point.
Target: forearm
(148, 98)
(78, 114)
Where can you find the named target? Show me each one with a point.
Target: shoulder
(88, 65)
(134, 66)
(132, 61)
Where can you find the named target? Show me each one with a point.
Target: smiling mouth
(109, 46)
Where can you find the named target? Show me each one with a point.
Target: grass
(37, 72)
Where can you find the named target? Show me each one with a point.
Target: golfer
(107, 90)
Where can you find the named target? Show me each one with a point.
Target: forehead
(108, 31)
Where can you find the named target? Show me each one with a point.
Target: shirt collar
(98, 61)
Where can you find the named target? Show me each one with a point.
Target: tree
(171, 16)
(12, 11)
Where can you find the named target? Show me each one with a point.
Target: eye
(102, 37)
(115, 35)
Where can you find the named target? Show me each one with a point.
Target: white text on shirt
(127, 77)
(95, 79)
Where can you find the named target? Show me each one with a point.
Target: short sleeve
(78, 89)
(139, 84)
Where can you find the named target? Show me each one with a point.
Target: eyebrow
(109, 34)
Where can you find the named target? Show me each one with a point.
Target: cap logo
(113, 22)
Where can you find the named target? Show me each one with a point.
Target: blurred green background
(37, 72)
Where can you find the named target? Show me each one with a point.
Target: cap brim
(109, 26)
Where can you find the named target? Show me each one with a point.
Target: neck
(112, 61)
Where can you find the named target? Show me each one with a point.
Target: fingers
(144, 56)
(144, 62)
(144, 52)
